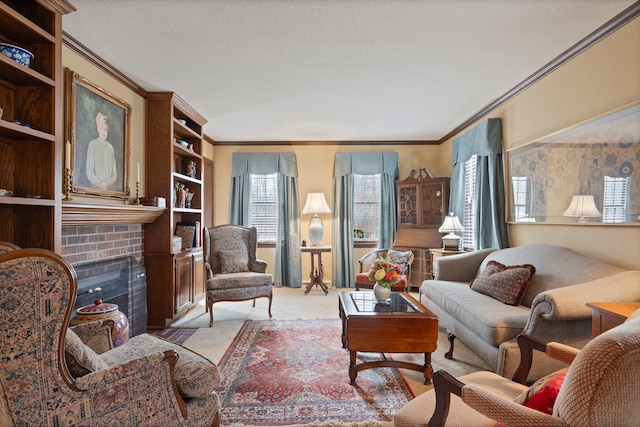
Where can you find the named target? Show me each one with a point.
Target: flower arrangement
(384, 272)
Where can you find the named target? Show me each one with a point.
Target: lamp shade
(316, 204)
(582, 206)
(451, 225)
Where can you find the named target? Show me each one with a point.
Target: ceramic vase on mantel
(381, 293)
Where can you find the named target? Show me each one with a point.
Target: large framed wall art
(586, 174)
(98, 132)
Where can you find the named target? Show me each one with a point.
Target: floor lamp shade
(316, 204)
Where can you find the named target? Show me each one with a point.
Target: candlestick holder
(68, 174)
(137, 201)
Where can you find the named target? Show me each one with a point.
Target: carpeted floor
(296, 371)
(293, 304)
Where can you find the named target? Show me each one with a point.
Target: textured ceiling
(329, 70)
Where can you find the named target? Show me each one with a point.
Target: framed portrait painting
(98, 131)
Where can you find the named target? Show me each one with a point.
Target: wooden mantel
(84, 214)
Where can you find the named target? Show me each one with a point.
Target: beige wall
(315, 174)
(600, 79)
(76, 63)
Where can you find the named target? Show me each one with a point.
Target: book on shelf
(189, 231)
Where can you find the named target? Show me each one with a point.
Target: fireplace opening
(120, 281)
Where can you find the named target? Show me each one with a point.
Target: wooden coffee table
(402, 325)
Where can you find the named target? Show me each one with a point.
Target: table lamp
(315, 205)
(582, 207)
(451, 225)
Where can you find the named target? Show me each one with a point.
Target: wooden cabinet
(31, 126)
(174, 141)
(423, 201)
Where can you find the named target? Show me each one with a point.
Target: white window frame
(366, 207)
(468, 235)
(520, 185)
(263, 206)
(614, 199)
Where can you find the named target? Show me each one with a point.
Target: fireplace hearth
(120, 281)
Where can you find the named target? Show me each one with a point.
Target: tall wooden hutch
(174, 138)
(31, 126)
(423, 201)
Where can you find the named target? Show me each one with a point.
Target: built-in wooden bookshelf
(31, 150)
(174, 138)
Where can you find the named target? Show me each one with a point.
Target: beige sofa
(553, 307)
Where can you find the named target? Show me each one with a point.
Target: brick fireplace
(109, 257)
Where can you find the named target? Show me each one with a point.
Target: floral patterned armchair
(49, 376)
(232, 271)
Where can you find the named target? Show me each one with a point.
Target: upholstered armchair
(232, 271)
(402, 259)
(49, 376)
(598, 388)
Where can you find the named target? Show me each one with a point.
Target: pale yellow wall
(602, 78)
(315, 174)
(74, 62)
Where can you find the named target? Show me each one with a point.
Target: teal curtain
(287, 269)
(484, 141)
(345, 165)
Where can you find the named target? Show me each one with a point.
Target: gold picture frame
(598, 158)
(98, 127)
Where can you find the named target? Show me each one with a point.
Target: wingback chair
(598, 388)
(48, 376)
(402, 259)
(233, 272)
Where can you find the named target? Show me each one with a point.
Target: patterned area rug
(279, 372)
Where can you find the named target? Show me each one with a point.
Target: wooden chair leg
(254, 302)
(449, 354)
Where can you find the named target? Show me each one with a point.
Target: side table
(608, 315)
(437, 253)
(317, 271)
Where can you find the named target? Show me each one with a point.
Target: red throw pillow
(543, 400)
(504, 283)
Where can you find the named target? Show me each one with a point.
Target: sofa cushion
(504, 283)
(401, 259)
(81, 360)
(195, 375)
(233, 261)
(493, 321)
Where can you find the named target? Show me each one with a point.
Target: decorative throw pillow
(81, 360)
(504, 283)
(401, 259)
(542, 394)
(233, 262)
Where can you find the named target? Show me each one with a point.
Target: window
(614, 202)
(520, 186)
(263, 207)
(366, 207)
(468, 239)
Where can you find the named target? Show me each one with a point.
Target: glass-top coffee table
(401, 325)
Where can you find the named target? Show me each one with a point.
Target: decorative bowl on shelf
(18, 54)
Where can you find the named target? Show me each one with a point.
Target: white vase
(381, 293)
